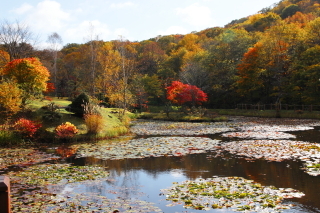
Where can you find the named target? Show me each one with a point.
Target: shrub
(8, 137)
(91, 108)
(26, 128)
(66, 131)
(94, 123)
(51, 113)
(77, 104)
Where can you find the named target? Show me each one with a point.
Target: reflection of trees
(280, 174)
(122, 181)
(127, 182)
(193, 166)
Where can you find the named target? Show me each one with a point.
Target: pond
(139, 182)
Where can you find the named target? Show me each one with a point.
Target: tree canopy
(267, 57)
(29, 74)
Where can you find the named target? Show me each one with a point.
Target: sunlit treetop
(29, 73)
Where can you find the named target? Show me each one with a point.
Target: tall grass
(116, 131)
(94, 123)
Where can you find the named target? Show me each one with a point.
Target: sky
(76, 21)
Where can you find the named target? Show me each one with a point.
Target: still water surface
(142, 179)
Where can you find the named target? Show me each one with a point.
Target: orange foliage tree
(29, 74)
(249, 72)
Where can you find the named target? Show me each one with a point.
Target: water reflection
(143, 178)
(312, 135)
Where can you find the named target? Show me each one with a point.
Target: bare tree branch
(15, 39)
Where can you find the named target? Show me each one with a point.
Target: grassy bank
(176, 114)
(157, 112)
(112, 126)
(179, 116)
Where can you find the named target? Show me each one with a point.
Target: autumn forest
(269, 57)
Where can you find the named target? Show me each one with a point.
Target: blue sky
(135, 20)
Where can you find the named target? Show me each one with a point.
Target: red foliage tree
(180, 93)
(50, 87)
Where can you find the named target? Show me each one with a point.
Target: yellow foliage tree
(4, 59)
(10, 98)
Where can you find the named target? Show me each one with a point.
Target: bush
(66, 131)
(51, 114)
(77, 104)
(91, 108)
(8, 138)
(94, 123)
(26, 128)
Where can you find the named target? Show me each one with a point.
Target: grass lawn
(112, 125)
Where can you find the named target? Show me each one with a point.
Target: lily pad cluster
(278, 150)
(40, 201)
(259, 135)
(36, 188)
(16, 156)
(50, 188)
(180, 128)
(234, 193)
(256, 128)
(148, 147)
(44, 174)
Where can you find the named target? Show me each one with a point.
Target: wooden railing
(294, 107)
(5, 194)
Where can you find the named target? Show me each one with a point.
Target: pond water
(139, 181)
(142, 179)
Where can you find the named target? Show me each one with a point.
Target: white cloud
(122, 5)
(196, 15)
(177, 173)
(173, 30)
(121, 32)
(23, 8)
(86, 29)
(48, 16)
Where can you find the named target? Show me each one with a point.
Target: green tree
(77, 105)
(305, 82)
(289, 10)
(153, 87)
(225, 53)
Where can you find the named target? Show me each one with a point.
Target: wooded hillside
(269, 57)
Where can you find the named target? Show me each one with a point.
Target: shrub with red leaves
(26, 128)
